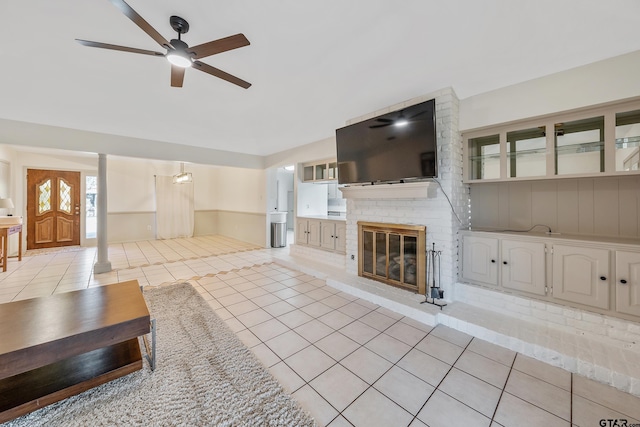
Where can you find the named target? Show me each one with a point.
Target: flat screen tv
(394, 147)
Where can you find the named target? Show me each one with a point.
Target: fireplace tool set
(433, 268)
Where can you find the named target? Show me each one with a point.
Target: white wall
(242, 190)
(131, 190)
(312, 199)
(600, 82)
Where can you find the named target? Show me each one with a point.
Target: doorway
(53, 208)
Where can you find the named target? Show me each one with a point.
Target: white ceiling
(313, 64)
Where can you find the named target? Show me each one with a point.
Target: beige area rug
(34, 252)
(205, 377)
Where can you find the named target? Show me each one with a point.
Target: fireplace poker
(433, 260)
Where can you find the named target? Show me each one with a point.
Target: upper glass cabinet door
(484, 157)
(580, 146)
(628, 141)
(526, 152)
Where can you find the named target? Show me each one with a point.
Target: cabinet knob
(624, 282)
(493, 261)
(603, 278)
(504, 262)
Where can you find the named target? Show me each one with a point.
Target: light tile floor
(347, 361)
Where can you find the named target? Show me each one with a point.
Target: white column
(103, 264)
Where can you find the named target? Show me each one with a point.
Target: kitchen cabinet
(332, 235)
(628, 282)
(320, 171)
(325, 234)
(581, 275)
(480, 259)
(522, 266)
(308, 232)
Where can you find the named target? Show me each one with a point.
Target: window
(91, 186)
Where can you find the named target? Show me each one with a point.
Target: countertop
(566, 236)
(325, 217)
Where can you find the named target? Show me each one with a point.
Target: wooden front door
(53, 208)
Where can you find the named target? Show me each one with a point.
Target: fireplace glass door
(394, 256)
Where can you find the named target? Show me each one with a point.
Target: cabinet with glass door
(320, 171)
(598, 142)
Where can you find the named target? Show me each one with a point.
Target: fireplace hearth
(393, 254)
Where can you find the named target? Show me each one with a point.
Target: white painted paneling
(519, 205)
(607, 206)
(568, 206)
(606, 220)
(485, 200)
(629, 190)
(503, 206)
(585, 207)
(544, 203)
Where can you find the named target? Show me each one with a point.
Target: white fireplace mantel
(407, 190)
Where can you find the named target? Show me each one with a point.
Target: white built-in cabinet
(583, 273)
(522, 265)
(628, 282)
(480, 259)
(320, 233)
(332, 235)
(308, 232)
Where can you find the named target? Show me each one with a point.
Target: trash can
(278, 234)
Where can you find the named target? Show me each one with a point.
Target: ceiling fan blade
(116, 47)
(383, 120)
(218, 46)
(140, 22)
(417, 114)
(379, 126)
(177, 76)
(220, 74)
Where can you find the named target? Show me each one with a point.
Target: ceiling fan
(179, 54)
(399, 121)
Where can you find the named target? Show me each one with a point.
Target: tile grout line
(370, 386)
(495, 411)
(436, 388)
(571, 399)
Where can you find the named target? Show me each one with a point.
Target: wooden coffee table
(61, 345)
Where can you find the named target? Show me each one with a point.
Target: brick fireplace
(425, 203)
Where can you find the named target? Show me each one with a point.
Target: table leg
(20, 245)
(4, 249)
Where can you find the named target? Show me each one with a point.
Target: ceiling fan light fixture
(401, 122)
(178, 56)
(178, 60)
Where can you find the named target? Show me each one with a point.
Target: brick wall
(433, 210)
